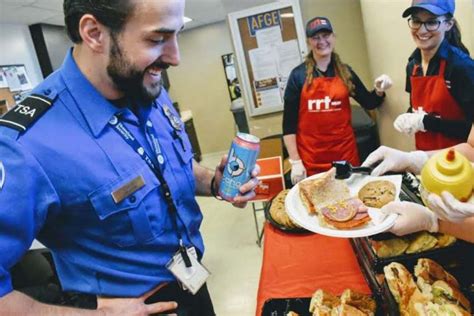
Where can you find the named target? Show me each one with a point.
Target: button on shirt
(59, 177)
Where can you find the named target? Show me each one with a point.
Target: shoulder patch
(27, 112)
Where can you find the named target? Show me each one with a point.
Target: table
(295, 265)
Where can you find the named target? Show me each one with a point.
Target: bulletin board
(14, 81)
(269, 42)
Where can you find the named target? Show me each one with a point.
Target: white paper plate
(300, 215)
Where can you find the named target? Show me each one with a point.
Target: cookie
(377, 193)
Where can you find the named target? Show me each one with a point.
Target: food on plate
(403, 288)
(278, 211)
(444, 293)
(350, 303)
(322, 302)
(390, 247)
(363, 302)
(421, 241)
(428, 271)
(377, 193)
(346, 214)
(322, 191)
(432, 309)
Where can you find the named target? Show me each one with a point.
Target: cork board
(268, 42)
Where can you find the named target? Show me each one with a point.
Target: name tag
(191, 278)
(128, 189)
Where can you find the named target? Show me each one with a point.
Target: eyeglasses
(321, 36)
(430, 25)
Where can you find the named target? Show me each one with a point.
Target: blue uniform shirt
(59, 177)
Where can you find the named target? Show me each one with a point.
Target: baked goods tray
(462, 270)
(274, 223)
(464, 275)
(282, 306)
(460, 253)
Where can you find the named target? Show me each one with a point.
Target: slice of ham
(345, 210)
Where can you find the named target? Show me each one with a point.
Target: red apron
(430, 94)
(324, 125)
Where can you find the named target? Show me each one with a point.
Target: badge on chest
(128, 189)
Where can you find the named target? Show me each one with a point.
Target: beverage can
(241, 160)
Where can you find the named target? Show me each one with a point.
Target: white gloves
(395, 160)
(410, 123)
(298, 171)
(412, 218)
(382, 83)
(448, 208)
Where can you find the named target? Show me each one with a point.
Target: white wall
(16, 47)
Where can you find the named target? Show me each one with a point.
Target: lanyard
(131, 140)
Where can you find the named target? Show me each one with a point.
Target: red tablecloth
(296, 265)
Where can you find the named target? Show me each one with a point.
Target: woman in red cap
(317, 113)
(440, 78)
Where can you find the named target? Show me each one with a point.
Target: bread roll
(390, 247)
(428, 271)
(324, 300)
(363, 302)
(443, 293)
(420, 242)
(347, 310)
(403, 287)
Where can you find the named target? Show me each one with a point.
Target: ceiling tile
(16, 2)
(55, 20)
(25, 15)
(55, 5)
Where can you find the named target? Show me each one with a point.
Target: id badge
(192, 278)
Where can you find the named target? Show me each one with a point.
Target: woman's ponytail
(454, 37)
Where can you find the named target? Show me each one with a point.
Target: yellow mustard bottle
(449, 171)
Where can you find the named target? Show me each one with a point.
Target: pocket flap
(104, 203)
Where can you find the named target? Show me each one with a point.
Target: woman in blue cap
(440, 78)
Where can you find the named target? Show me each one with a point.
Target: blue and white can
(241, 160)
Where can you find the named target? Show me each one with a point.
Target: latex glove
(382, 83)
(298, 171)
(450, 209)
(395, 160)
(410, 123)
(412, 217)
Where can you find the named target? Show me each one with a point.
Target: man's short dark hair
(111, 13)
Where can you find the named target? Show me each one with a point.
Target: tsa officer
(97, 166)
(317, 112)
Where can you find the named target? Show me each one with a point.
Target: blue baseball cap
(437, 7)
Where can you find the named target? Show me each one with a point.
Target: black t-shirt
(368, 100)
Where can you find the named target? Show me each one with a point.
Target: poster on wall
(231, 78)
(16, 78)
(3, 79)
(269, 42)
